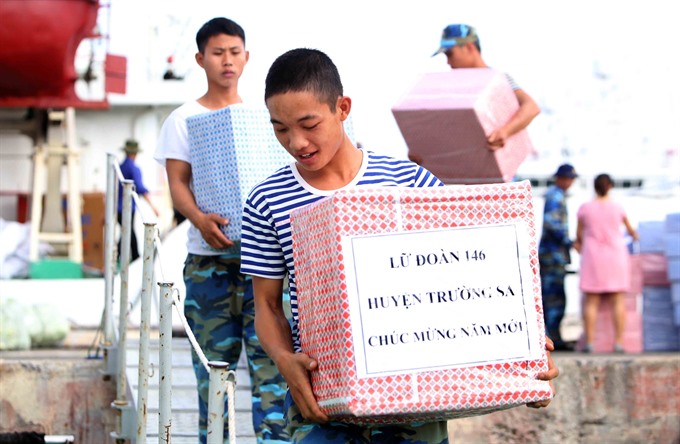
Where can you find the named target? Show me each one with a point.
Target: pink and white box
(421, 303)
(445, 120)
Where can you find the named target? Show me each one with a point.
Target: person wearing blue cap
(554, 254)
(460, 43)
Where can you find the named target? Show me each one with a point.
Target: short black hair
(217, 26)
(603, 183)
(304, 69)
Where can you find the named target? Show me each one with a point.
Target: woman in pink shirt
(605, 261)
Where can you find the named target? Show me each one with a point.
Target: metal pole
(36, 201)
(231, 388)
(72, 162)
(144, 331)
(128, 186)
(165, 363)
(217, 384)
(109, 246)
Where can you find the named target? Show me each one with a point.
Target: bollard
(231, 396)
(165, 363)
(109, 248)
(121, 386)
(145, 331)
(217, 386)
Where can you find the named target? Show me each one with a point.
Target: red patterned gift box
(446, 117)
(421, 303)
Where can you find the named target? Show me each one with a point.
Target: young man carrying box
(219, 301)
(460, 44)
(304, 95)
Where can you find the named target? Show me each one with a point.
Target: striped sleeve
(513, 83)
(424, 178)
(261, 253)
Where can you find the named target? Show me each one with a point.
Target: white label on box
(437, 299)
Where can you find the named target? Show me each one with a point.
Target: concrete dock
(601, 398)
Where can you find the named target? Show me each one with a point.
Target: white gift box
(232, 150)
(421, 303)
(445, 119)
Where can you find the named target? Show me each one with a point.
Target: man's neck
(342, 170)
(218, 98)
(479, 62)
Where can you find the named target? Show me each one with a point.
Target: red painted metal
(38, 43)
(116, 69)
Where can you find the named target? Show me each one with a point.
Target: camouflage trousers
(303, 432)
(220, 310)
(554, 300)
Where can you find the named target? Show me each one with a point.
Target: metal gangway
(132, 408)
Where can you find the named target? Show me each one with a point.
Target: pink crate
(654, 269)
(604, 326)
(446, 117)
(442, 377)
(636, 274)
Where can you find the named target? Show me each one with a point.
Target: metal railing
(132, 422)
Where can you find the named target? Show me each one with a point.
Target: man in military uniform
(554, 254)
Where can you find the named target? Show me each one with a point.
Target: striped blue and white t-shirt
(266, 244)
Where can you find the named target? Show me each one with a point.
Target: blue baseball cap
(566, 170)
(457, 34)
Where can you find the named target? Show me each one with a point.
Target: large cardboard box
(445, 119)
(92, 221)
(421, 304)
(232, 150)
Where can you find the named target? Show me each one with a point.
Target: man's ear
(471, 47)
(343, 106)
(199, 59)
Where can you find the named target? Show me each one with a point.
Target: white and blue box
(232, 150)
(652, 236)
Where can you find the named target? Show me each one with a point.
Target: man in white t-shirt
(219, 299)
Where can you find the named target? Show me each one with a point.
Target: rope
(190, 334)
(144, 212)
(176, 301)
(159, 248)
(118, 172)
